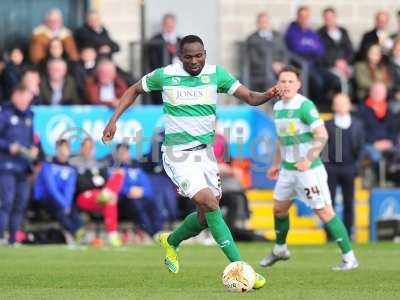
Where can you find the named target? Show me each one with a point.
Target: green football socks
(339, 233)
(222, 235)
(281, 229)
(190, 227)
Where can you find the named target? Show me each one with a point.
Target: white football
(239, 277)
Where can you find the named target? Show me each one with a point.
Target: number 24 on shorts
(312, 191)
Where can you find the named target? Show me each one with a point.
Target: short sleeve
(227, 83)
(310, 114)
(153, 81)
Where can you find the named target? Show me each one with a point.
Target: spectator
(55, 189)
(55, 50)
(304, 42)
(163, 49)
(377, 36)
(94, 35)
(346, 134)
(394, 68)
(57, 87)
(42, 35)
(105, 87)
(137, 196)
(31, 79)
(267, 54)
(396, 35)
(84, 68)
(164, 190)
(369, 71)
(13, 70)
(17, 152)
(338, 53)
(97, 190)
(379, 123)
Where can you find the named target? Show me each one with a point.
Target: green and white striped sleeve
(310, 115)
(153, 81)
(227, 83)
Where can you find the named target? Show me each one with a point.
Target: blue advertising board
(384, 204)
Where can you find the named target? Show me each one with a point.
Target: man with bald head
(52, 27)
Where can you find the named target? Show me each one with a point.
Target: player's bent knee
(325, 214)
(281, 209)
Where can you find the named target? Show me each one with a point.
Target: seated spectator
(57, 87)
(304, 42)
(97, 189)
(338, 53)
(84, 68)
(55, 188)
(379, 123)
(164, 190)
(105, 87)
(52, 27)
(17, 153)
(93, 34)
(394, 68)
(31, 79)
(346, 133)
(163, 49)
(13, 70)
(267, 54)
(55, 50)
(136, 198)
(380, 35)
(371, 70)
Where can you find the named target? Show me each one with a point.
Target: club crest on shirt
(205, 79)
(14, 120)
(175, 80)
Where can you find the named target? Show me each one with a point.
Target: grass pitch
(137, 273)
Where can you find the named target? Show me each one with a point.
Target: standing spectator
(304, 42)
(52, 27)
(55, 188)
(377, 36)
(379, 123)
(371, 70)
(105, 87)
(57, 87)
(93, 34)
(394, 68)
(163, 49)
(346, 134)
(396, 35)
(17, 152)
(137, 196)
(31, 79)
(338, 53)
(97, 190)
(84, 68)
(13, 70)
(267, 54)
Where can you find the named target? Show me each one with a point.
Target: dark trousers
(69, 218)
(14, 196)
(343, 176)
(145, 212)
(165, 195)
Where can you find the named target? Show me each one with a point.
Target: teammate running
(189, 91)
(299, 170)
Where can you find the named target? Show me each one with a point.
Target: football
(239, 277)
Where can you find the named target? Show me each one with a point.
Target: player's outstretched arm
(256, 98)
(126, 100)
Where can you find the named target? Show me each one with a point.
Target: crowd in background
(61, 67)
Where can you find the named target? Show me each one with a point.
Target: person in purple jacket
(304, 42)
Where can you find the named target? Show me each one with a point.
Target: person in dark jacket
(94, 34)
(97, 189)
(379, 123)
(136, 199)
(13, 70)
(267, 54)
(344, 149)
(55, 188)
(338, 53)
(17, 152)
(379, 35)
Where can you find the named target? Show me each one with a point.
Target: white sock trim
(349, 256)
(279, 248)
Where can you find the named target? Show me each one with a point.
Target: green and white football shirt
(189, 102)
(295, 122)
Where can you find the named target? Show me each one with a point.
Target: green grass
(137, 273)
